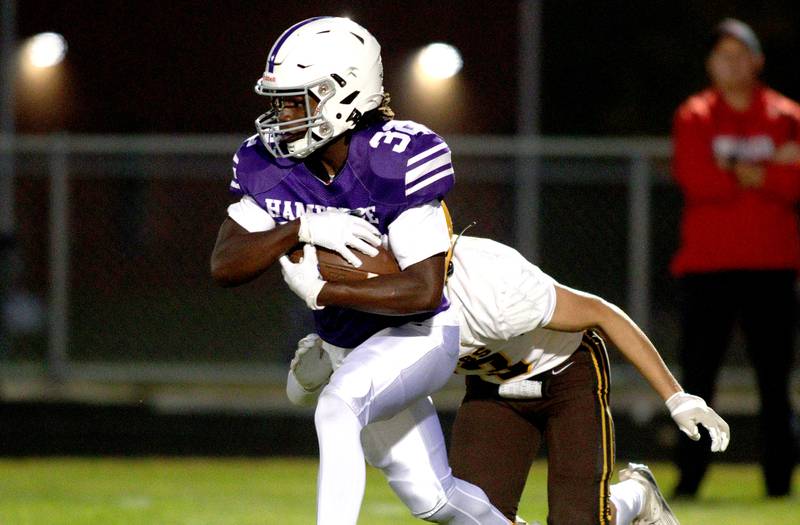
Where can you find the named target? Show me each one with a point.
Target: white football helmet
(333, 60)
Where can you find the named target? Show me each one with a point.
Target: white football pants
(376, 407)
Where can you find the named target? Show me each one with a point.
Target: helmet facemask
(317, 130)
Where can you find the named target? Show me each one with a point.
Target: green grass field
(281, 491)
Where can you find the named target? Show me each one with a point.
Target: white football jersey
(504, 302)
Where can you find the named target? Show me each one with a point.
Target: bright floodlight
(440, 60)
(47, 49)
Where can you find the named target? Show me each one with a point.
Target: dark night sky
(613, 67)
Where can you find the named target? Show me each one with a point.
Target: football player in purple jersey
(330, 167)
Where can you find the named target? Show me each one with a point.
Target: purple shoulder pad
(407, 162)
(255, 170)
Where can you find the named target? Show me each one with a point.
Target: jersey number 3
(398, 134)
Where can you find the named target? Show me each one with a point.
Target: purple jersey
(390, 168)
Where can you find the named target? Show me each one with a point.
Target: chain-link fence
(108, 270)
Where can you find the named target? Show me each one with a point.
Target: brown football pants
(495, 440)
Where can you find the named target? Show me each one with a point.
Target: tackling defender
(329, 167)
(537, 371)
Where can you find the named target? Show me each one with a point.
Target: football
(333, 267)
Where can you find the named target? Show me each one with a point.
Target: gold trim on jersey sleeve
(449, 257)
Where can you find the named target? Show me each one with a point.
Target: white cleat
(655, 511)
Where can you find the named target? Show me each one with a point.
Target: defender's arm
(579, 311)
(576, 311)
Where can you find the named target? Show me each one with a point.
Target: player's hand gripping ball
(334, 268)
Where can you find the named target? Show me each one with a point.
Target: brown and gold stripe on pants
(495, 440)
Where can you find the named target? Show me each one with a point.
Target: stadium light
(45, 50)
(434, 91)
(439, 61)
(43, 99)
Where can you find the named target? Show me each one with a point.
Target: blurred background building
(115, 166)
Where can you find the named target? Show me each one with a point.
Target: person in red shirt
(737, 162)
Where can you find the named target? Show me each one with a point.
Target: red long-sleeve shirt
(725, 226)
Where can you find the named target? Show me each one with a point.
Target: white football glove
(304, 278)
(311, 365)
(688, 411)
(337, 230)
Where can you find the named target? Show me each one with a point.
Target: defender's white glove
(337, 230)
(311, 365)
(688, 411)
(304, 278)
